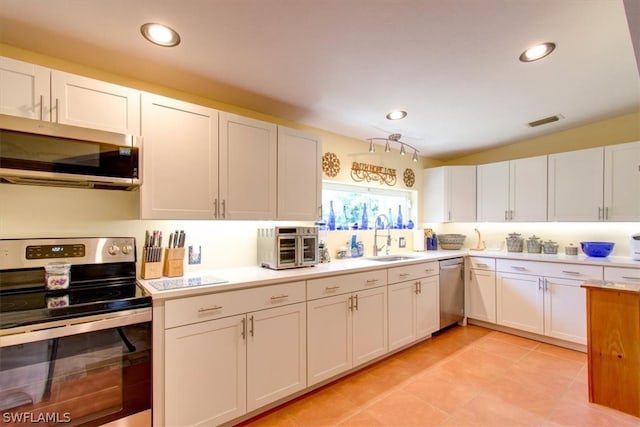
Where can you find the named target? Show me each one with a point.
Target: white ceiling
(341, 65)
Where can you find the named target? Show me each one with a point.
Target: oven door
(287, 250)
(308, 249)
(84, 371)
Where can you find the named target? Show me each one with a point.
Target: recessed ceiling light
(160, 34)
(537, 52)
(397, 115)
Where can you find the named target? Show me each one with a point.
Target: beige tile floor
(465, 376)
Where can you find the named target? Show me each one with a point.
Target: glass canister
(550, 247)
(515, 242)
(57, 275)
(534, 245)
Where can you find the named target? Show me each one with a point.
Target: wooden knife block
(151, 270)
(174, 262)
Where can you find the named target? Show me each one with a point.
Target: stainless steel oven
(78, 354)
(288, 247)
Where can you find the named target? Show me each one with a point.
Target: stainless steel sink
(389, 258)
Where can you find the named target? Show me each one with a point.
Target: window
(344, 205)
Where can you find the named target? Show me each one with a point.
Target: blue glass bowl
(597, 249)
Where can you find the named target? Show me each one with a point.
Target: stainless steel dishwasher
(451, 291)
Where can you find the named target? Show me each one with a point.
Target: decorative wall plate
(330, 164)
(409, 177)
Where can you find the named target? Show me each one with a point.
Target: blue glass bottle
(364, 224)
(400, 216)
(332, 216)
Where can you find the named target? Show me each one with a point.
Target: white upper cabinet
(596, 184)
(514, 190)
(575, 185)
(180, 160)
(25, 89)
(35, 92)
(247, 168)
(299, 175)
(80, 101)
(450, 194)
(622, 182)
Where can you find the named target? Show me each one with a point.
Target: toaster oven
(288, 247)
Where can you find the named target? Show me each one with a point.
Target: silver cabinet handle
(215, 208)
(351, 303)
(251, 325)
(41, 108)
(417, 291)
(511, 215)
(539, 283)
(244, 328)
(517, 267)
(606, 213)
(331, 288)
(575, 273)
(546, 285)
(506, 215)
(419, 286)
(449, 215)
(403, 274)
(279, 297)
(428, 270)
(356, 299)
(57, 110)
(205, 309)
(631, 277)
(481, 264)
(369, 281)
(224, 208)
(599, 213)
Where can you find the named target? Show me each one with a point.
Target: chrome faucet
(376, 249)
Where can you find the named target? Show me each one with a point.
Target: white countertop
(225, 279)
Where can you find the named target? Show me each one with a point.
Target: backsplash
(27, 211)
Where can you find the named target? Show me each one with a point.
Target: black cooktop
(92, 290)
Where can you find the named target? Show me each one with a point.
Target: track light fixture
(394, 137)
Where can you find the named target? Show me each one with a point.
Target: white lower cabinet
(220, 369)
(345, 330)
(276, 354)
(205, 372)
(481, 290)
(544, 298)
(413, 304)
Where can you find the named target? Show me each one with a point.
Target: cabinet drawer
(481, 263)
(622, 274)
(551, 269)
(200, 308)
(345, 283)
(414, 271)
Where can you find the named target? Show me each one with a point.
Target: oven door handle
(78, 325)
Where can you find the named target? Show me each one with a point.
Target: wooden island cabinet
(613, 342)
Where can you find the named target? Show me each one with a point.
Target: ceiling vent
(545, 121)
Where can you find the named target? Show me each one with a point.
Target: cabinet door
(24, 89)
(299, 175)
(329, 336)
(564, 307)
(427, 306)
(276, 354)
(81, 101)
(493, 192)
(248, 169)
(481, 303)
(205, 372)
(402, 313)
(520, 302)
(576, 185)
(528, 189)
(460, 182)
(622, 182)
(369, 324)
(180, 179)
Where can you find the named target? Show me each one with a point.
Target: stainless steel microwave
(288, 247)
(44, 153)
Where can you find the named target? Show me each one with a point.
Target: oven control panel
(25, 253)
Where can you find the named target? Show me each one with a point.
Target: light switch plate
(402, 243)
(195, 254)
